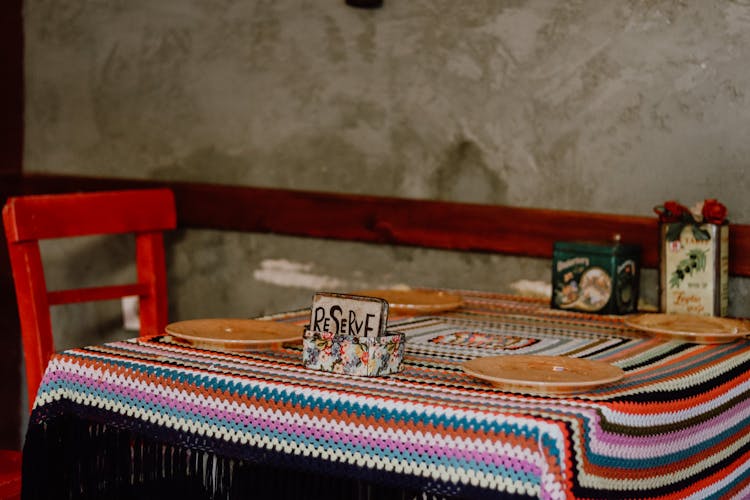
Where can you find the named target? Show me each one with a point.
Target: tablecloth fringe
(103, 461)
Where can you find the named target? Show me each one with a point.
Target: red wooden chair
(28, 219)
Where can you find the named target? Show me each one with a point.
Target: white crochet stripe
(648, 355)
(637, 420)
(685, 381)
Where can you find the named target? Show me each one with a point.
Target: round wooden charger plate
(416, 301)
(234, 334)
(689, 328)
(543, 374)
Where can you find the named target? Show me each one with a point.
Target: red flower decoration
(671, 211)
(677, 217)
(714, 212)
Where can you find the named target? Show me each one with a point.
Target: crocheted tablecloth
(676, 425)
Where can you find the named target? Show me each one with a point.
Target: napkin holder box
(353, 355)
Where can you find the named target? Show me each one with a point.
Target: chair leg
(10, 475)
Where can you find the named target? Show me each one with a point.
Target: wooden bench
(508, 230)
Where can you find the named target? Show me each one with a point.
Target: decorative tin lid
(589, 247)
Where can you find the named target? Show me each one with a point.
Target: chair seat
(10, 474)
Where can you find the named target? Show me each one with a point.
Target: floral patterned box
(694, 258)
(353, 355)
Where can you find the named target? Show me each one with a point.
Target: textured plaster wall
(608, 105)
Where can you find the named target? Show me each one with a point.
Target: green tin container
(600, 278)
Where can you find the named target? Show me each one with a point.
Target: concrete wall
(609, 106)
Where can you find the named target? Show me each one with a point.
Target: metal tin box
(694, 272)
(601, 278)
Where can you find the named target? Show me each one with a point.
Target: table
(152, 417)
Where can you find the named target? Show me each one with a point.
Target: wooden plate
(543, 374)
(234, 334)
(416, 301)
(697, 329)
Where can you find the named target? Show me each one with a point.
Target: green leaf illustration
(700, 258)
(696, 261)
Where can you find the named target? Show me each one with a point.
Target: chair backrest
(145, 213)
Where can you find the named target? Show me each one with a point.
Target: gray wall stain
(366, 41)
(335, 43)
(463, 175)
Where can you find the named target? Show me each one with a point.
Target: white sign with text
(344, 314)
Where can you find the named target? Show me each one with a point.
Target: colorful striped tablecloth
(677, 425)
